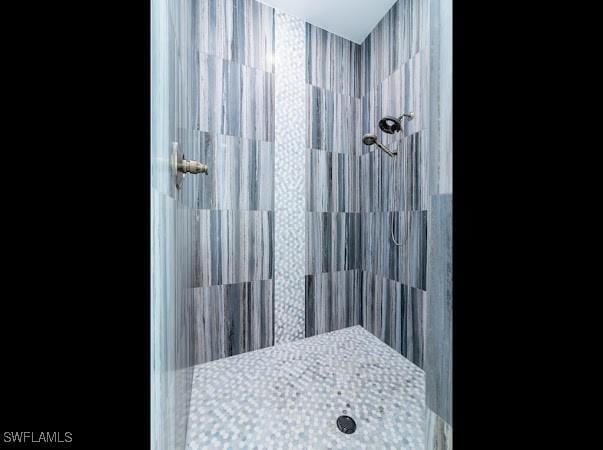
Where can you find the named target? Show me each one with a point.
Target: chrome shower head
(370, 139)
(391, 124)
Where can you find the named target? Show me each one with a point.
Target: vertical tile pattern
(333, 182)
(241, 31)
(406, 66)
(334, 126)
(289, 178)
(234, 247)
(438, 433)
(395, 192)
(241, 173)
(334, 121)
(232, 130)
(440, 95)
(162, 234)
(233, 319)
(402, 32)
(406, 263)
(332, 242)
(235, 100)
(395, 313)
(333, 63)
(333, 301)
(439, 314)
(173, 346)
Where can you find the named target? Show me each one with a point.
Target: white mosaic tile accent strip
(290, 396)
(289, 180)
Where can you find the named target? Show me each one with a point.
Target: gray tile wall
(438, 366)
(173, 343)
(334, 127)
(394, 195)
(233, 234)
(233, 207)
(406, 66)
(356, 196)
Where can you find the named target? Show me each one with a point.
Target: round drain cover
(346, 424)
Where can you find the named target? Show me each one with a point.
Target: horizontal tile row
(332, 242)
(399, 183)
(235, 100)
(406, 263)
(333, 181)
(334, 121)
(236, 30)
(241, 172)
(395, 313)
(333, 301)
(402, 32)
(333, 63)
(233, 318)
(233, 247)
(404, 91)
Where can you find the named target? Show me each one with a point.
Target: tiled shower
(288, 235)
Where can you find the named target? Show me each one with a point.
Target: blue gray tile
(438, 433)
(395, 313)
(333, 63)
(332, 242)
(406, 263)
(241, 172)
(237, 30)
(439, 313)
(235, 100)
(333, 121)
(333, 182)
(402, 32)
(234, 247)
(233, 318)
(405, 90)
(399, 183)
(333, 301)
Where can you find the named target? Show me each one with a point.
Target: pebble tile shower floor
(290, 396)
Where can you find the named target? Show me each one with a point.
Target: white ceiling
(351, 19)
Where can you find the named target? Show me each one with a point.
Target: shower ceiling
(351, 19)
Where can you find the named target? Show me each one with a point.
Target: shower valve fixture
(181, 166)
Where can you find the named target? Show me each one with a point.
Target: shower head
(391, 124)
(370, 139)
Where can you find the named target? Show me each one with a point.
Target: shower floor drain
(346, 424)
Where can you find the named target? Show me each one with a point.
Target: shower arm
(385, 149)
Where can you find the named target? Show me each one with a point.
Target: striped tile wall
(334, 127)
(233, 132)
(394, 194)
